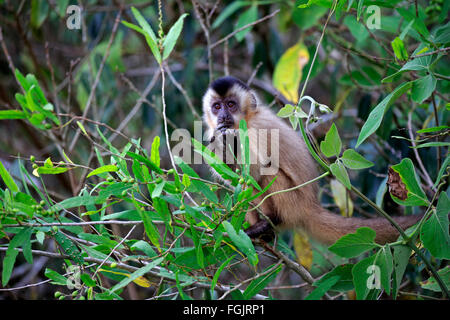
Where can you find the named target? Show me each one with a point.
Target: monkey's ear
(253, 101)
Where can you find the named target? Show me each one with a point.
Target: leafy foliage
(119, 210)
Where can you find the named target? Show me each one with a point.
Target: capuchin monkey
(227, 101)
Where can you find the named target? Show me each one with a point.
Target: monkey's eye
(231, 104)
(216, 106)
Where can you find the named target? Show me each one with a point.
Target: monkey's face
(225, 103)
(225, 112)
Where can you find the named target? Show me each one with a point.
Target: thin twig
(136, 107)
(215, 44)
(97, 78)
(251, 279)
(207, 36)
(430, 53)
(416, 153)
(113, 250)
(8, 57)
(142, 96)
(183, 92)
(155, 274)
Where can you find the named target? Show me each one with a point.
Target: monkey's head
(226, 102)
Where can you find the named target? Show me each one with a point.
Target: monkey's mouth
(224, 126)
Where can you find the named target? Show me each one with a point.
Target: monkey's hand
(229, 132)
(261, 229)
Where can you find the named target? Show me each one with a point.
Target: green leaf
(172, 36)
(55, 170)
(325, 285)
(186, 180)
(150, 229)
(81, 126)
(75, 202)
(444, 167)
(147, 31)
(417, 64)
(19, 239)
(338, 170)
(434, 232)
(144, 247)
(154, 155)
(423, 88)
(26, 246)
(39, 12)
(138, 273)
(331, 145)
(306, 18)
(364, 272)
(243, 242)
(359, 9)
(57, 278)
(376, 116)
(260, 283)
(399, 49)
(22, 80)
(7, 179)
(431, 283)
(248, 16)
(106, 168)
(286, 111)
(353, 160)
(228, 11)
(215, 162)
(199, 185)
(340, 278)
(158, 189)
(401, 258)
(372, 273)
(12, 114)
(87, 280)
(218, 272)
(384, 260)
(69, 247)
(433, 129)
(432, 144)
(8, 264)
(150, 164)
(183, 295)
(40, 237)
(357, 29)
(353, 244)
(245, 146)
(416, 196)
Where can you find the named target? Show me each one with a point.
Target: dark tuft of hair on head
(222, 85)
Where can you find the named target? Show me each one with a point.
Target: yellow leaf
(303, 249)
(67, 158)
(35, 172)
(288, 71)
(342, 198)
(140, 281)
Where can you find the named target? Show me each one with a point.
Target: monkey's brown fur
(299, 208)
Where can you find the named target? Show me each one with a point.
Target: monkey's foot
(262, 229)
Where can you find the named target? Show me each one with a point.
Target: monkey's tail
(329, 227)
